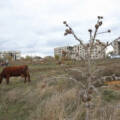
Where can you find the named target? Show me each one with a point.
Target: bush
(110, 95)
(57, 57)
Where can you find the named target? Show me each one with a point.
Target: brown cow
(15, 71)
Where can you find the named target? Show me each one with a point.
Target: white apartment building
(13, 54)
(78, 52)
(59, 50)
(116, 47)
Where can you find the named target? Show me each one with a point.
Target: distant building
(116, 47)
(59, 50)
(78, 52)
(13, 55)
(81, 53)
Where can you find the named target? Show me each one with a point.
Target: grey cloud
(5, 3)
(45, 30)
(32, 28)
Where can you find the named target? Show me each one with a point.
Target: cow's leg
(28, 76)
(1, 80)
(7, 79)
(25, 79)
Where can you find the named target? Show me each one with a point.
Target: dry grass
(53, 96)
(113, 83)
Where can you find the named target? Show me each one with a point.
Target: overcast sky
(36, 26)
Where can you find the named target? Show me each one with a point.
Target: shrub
(110, 95)
(57, 57)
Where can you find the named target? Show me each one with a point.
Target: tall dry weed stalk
(89, 89)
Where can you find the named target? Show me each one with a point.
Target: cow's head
(1, 78)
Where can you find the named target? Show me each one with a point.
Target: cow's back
(14, 70)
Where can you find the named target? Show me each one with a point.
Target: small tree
(29, 58)
(88, 87)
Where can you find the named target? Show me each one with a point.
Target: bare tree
(88, 87)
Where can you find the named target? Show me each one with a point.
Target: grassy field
(51, 95)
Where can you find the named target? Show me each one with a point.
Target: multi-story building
(78, 52)
(59, 50)
(116, 47)
(13, 55)
(82, 53)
